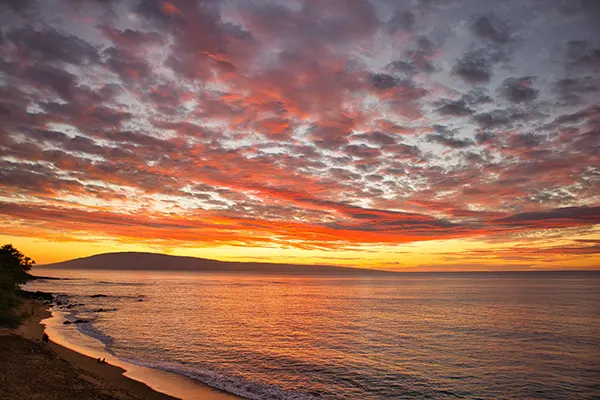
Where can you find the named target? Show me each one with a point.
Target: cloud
(477, 65)
(402, 19)
(581, 55)
(446, 137)
(383, 82)
(571, 91)
(499, 118)
(576, 117)
(457, 108)
(60, 81)
(491, 28)
(313, 125)
(484, 136)
(50, 45)
(450, 141)
(561, 217)
(519, 90)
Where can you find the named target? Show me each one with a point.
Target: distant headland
(164, 262)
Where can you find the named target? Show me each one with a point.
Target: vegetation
(14, 267)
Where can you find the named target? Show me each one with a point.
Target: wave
(89, 330)
(122, 283)
(120, 296)
(228, 383)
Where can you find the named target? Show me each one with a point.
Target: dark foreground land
(32, 370)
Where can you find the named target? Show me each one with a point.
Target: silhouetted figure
(45, 338)
(98, 360)
(104, 361)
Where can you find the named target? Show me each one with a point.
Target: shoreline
(118, 379)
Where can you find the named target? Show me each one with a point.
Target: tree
(14, 267)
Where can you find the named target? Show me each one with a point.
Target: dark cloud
(402, 19)
(449, 141)
(378, 138)
(526, 140)
(162, 12)
(581, 55)
(447, 136)
(571, 91)
(59, 80)
(417, 59)
(576, 117)
(382, 138)
(53, 46)
(362, 151)
(383, 81)
(498, 118)
(127, 65)
(35, 179)
(476, 98)
(18, 5)
(328, 137)
(477, 65)
(567, 216)
(484, 136)
(454, 108)
(402, 66)
(519, 90)
(492, 28)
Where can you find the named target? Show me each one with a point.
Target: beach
(30, 369)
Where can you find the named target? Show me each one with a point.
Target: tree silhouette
(14, 267)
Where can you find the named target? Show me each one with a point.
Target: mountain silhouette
(163, 262)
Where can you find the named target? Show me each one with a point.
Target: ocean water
(421, 336)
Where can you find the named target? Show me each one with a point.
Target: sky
(419, 135)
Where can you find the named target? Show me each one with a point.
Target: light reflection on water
(533, 335)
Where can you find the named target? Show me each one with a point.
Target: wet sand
(32, 370)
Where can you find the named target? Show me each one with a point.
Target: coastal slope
(30, 369)
(163, 262)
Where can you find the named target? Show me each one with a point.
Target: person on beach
(98, 360)
(45, 338)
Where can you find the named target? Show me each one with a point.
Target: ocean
(422, 336)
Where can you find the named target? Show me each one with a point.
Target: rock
(81, 321)
(38, 295)
(67, 322)
(98, 295)
(140, 300)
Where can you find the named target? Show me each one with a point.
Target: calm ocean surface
(488, 336)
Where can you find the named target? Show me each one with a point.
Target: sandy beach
(30, 369)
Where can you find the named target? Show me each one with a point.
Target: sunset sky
(403, 135)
